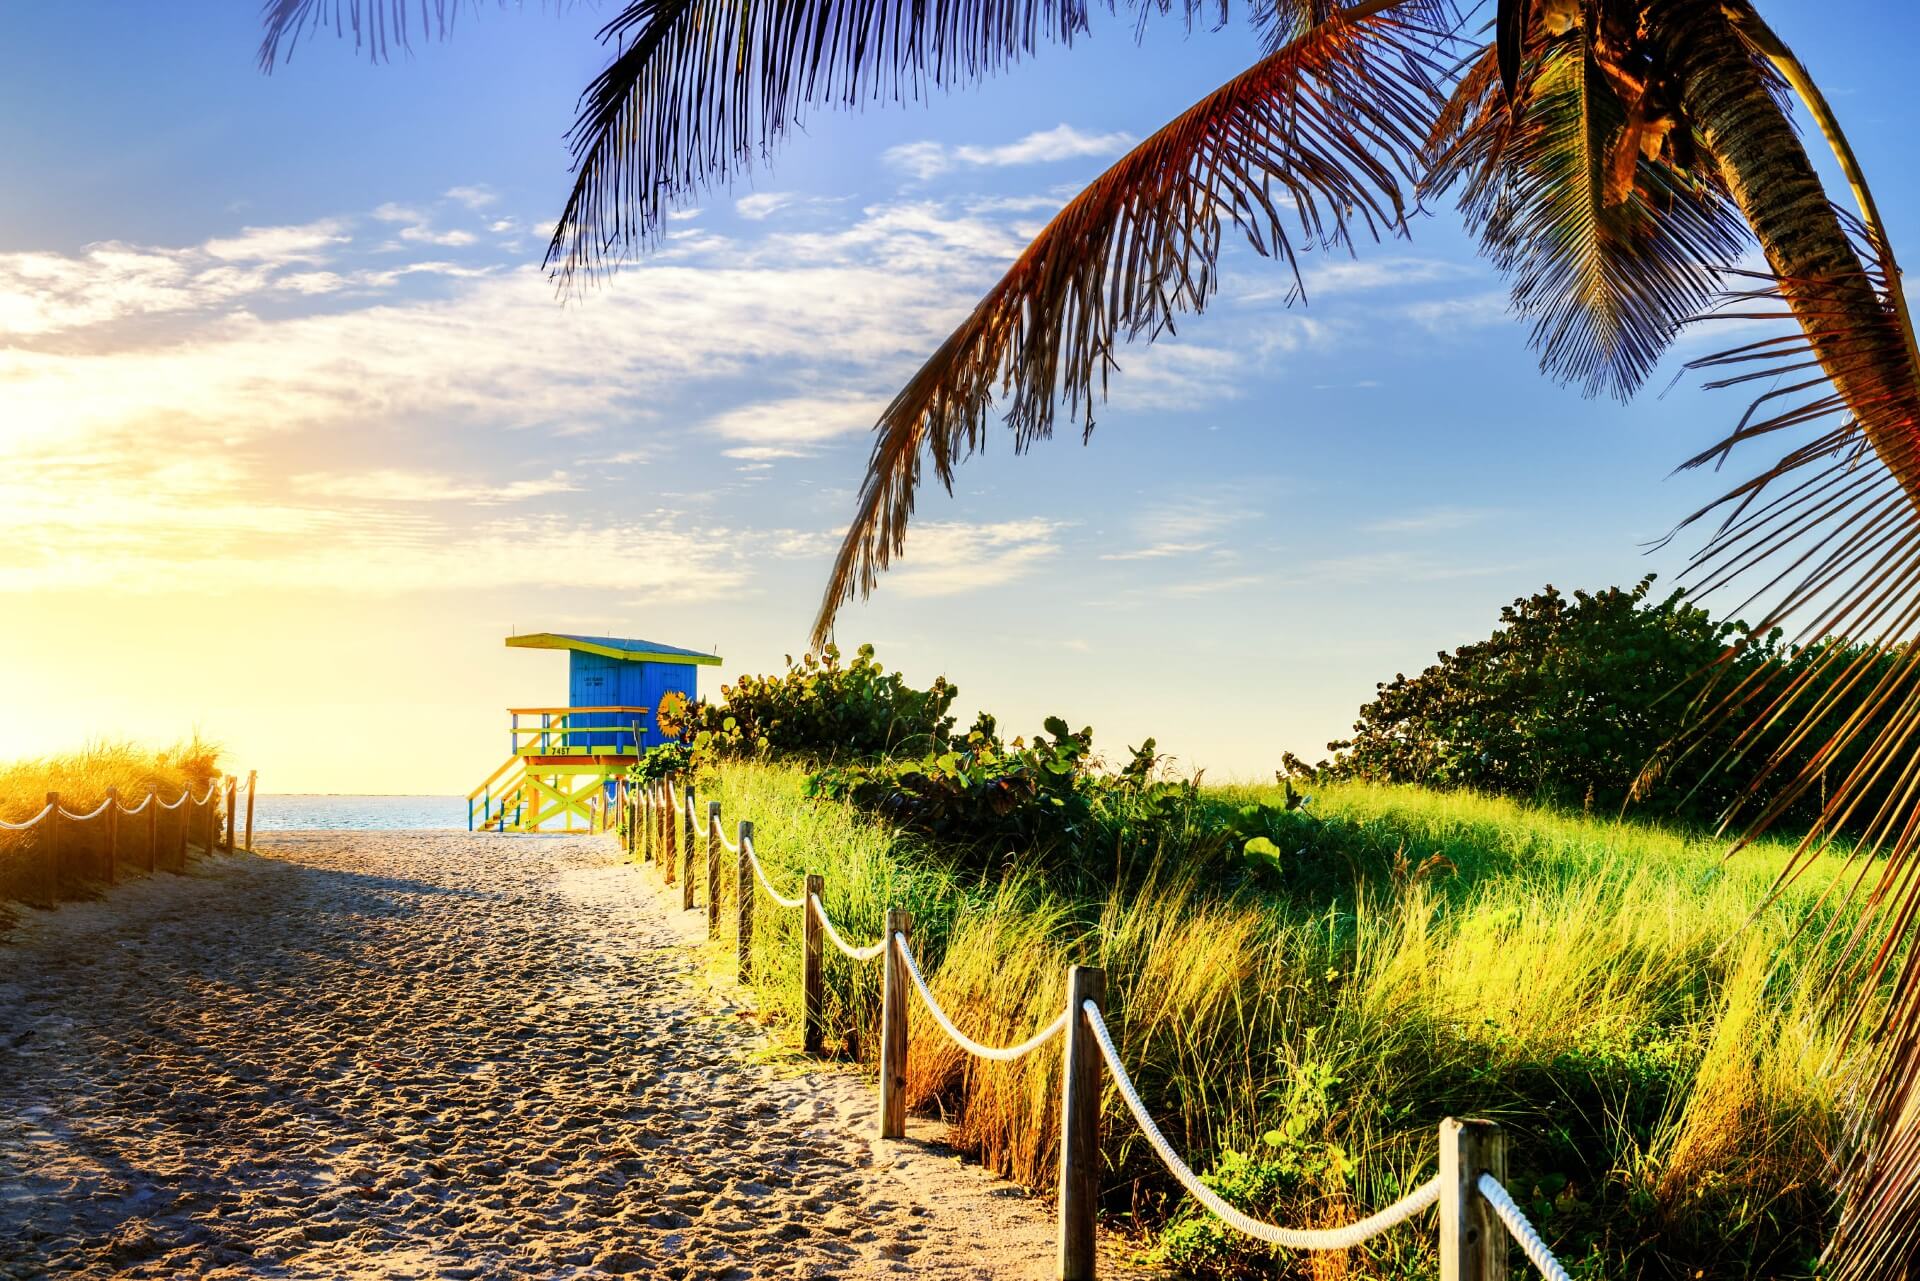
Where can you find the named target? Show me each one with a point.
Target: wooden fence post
(113, 834)
(813, 948)
(50, 850)
(233, 785)
(253, 781)
(687, 805)
(153, 828)
(213, 822)
(893, 1029)
(668, 830)
(1080, 1085)
(1473, 1242)
(713, 868)
(743, 938)
(186, 821)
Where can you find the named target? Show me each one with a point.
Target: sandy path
(437, 1055)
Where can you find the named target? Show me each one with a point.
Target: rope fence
(67, 851)
(1477, 1215)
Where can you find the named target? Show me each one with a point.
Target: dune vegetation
(82, 779)
(1634, 1007)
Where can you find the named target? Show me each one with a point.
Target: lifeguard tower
(565, 759)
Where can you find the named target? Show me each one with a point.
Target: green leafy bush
(1047, 808)
(1596, 699)
(982, 794)
(819, 708)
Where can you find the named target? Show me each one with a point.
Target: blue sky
(285, 399)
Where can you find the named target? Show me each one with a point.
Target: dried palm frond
(1310, 144)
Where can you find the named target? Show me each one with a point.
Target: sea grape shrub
(822, 709)
(669, 760)
(985, 797)
(1591, 700)
(1047, 808)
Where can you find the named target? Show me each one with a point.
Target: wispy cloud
(476, 196)
(308, 242)
(762, 204)
(396, 485)
(1062, 142)
(1433, 520)
(949, 557)
(1450, 315)
(784, 428)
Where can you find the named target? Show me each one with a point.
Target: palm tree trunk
(1863, 346)
(1857, 340)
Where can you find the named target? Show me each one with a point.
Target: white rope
(21, 827)
(211, 789)
(1291, 1238)
(1000, 1054)
(731, 847)
(177, 804)
(98, 810)
(135, 809)
(1522, 1229)
(765, 884)
(857, 953)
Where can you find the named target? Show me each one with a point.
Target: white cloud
(781, 428)
(309, 242)
(947, 557)
(929, 159)
(762, 204)
(1431, 521)
(1160, 551)
(1449, 315)
(477, 196)
(428, 236)
(395, 485)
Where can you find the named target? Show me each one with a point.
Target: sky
(294, 431)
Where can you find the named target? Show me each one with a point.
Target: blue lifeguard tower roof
(622, 648)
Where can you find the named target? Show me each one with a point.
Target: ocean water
(286, 812)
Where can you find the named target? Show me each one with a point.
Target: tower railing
(560, 731)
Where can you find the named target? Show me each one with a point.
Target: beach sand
(441, 1055)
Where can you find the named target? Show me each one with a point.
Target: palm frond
(378, 27)
(698, 89)
(1306, 147)
(1828, 540)
(1609, 249)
